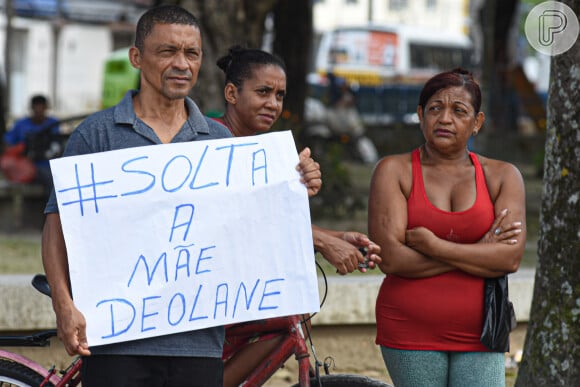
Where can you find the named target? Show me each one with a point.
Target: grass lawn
(20, 254)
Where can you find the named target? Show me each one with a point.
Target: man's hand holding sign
(186, 236)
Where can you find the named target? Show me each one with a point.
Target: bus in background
(386, 66)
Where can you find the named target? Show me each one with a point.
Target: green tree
(552, 348)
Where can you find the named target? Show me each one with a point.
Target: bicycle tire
(17, 375)
(346, 380)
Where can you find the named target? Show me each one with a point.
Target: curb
(350, 300)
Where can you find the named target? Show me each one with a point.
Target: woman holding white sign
(254, 92)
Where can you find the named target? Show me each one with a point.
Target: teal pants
(444, 369)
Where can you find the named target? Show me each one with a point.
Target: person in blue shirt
(24, 129)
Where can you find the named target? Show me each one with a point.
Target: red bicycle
(17, 370)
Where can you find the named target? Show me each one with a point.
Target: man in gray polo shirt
(168, 52)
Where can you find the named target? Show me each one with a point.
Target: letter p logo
(552, 22)
(552, 28)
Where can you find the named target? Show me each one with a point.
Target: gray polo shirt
(118, 128)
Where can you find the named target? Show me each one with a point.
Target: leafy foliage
(338, 197)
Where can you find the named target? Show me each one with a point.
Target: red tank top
(443, 312)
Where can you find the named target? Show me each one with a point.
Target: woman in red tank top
(435, 212)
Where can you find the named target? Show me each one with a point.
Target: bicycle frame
(52, 378)
(294, 343)
(70, 376)
(289, 328)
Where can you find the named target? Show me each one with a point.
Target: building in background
(443, 15)
(57, 48)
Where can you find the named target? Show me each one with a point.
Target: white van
(386, 65)
(373, 54)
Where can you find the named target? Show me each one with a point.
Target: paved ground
(351, 347)
(354, 351)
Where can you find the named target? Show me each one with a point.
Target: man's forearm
(55, 262)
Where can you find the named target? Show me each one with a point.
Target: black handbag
(499, 318)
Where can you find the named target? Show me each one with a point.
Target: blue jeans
(444, 369)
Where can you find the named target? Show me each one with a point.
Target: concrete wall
(350, 301)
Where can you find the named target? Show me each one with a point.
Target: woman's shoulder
(393, 166)
(499, 173)
(395, 160)
(497, 167)
(393, 173)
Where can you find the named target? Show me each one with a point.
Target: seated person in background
(26, 127)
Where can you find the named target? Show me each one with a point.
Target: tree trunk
(3, 128)
(293, 42)
(228, 22)
(500, 104)
(224, 23)
(5, 84)
(552, 349)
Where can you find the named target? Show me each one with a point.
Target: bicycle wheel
(346, 380)
(16, 375)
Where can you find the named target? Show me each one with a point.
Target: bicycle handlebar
(40, 339)
(40, 283)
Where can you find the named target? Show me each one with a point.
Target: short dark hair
(457, 77)
(239, 63)
(38, 100)
(163, 14)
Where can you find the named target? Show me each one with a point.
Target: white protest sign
(171, 238)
